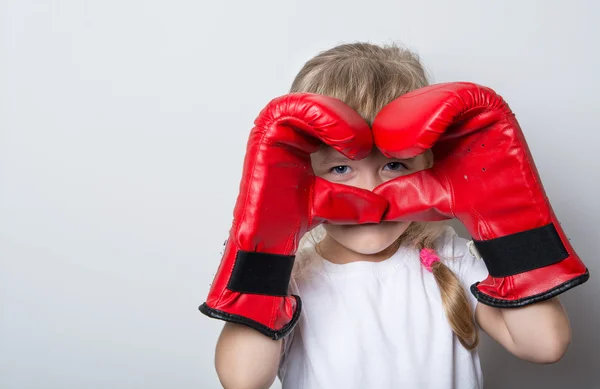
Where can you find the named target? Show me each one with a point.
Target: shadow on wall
(578, 369)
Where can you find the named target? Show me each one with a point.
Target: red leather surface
(280, 198)
(483, 174)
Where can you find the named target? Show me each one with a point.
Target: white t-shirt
(380, 325)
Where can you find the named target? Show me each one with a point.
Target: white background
(123, 126)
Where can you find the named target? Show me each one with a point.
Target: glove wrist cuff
(522, 252)
(261, 273)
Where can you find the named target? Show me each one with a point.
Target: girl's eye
(395, 166)
(340, 169)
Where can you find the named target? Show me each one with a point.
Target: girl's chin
(377, 229)
(368, 239)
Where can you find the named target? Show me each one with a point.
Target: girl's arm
(246, 359)
(538, 332)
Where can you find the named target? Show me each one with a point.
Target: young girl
(375, 300)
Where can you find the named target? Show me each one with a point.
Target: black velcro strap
(261, 273)
(523, 251)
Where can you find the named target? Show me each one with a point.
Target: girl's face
(367, 173)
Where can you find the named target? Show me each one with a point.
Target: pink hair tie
(428, 258)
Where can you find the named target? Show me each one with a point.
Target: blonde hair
(367, 77)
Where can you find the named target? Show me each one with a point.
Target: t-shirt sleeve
(457, 256)
(288, 339)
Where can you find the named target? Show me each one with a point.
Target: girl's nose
(369, 181)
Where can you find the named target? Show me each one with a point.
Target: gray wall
(123, 126)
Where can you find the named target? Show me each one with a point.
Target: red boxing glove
(485, 177)
(280, 199)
